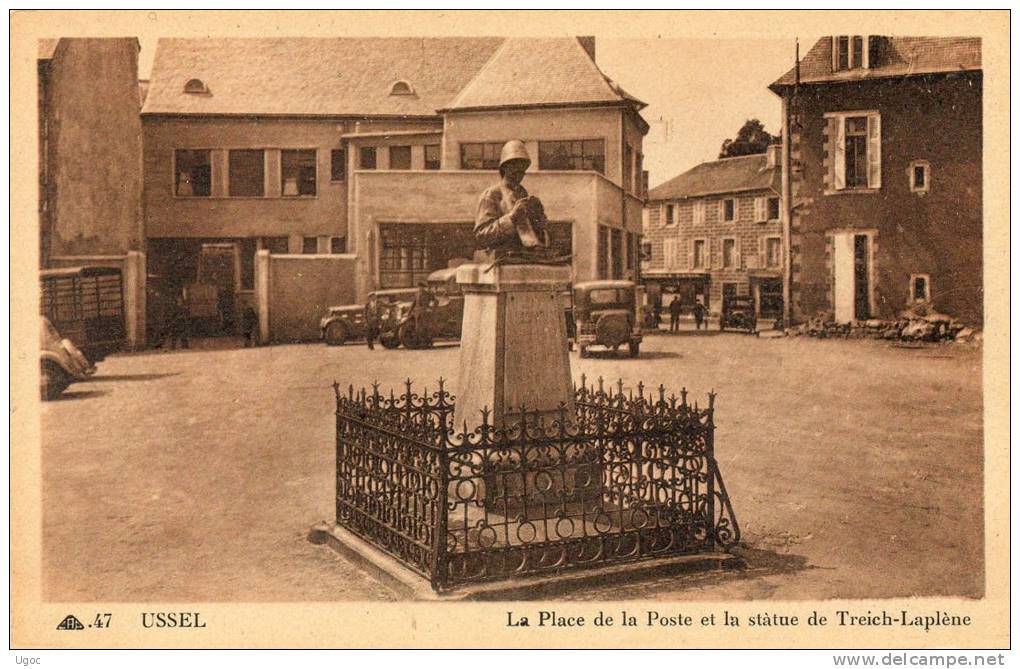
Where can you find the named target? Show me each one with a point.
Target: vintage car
(738, 313)
(86, 306)
(607, 313)
(61, 363)
(346, 323)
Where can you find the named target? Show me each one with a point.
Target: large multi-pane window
(856, 145)
(366, 158)
(193, 172)
(409, 252)
(480, 155)
(584, 154)
(432, 156)
(247, 172)
(400, 157)
(297, 172)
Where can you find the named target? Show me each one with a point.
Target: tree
(751, 138)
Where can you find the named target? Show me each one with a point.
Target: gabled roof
(540, 72)
(896, 57)
(729, 175)
(313, 76)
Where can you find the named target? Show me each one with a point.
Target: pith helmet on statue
(514, 150)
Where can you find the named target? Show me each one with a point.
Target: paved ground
(854, 467)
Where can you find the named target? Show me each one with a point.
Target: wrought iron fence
(628, 476)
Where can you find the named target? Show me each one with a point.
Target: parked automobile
(738, 313)
(86, 306)
(607, 313)
(347, 322)
(61, 362)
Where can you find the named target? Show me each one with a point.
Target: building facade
(380, 148)
(90, 157)
(882, 180)
(715, 231)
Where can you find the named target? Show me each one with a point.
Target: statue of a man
(509, 221)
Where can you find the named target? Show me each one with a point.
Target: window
(338, 165)
(432, 156)
(480, 156)
(400, 157)
(639, 175)
(669, 216)
(919, 176)
(671, 253)
(773, 252)
(603, 252)
(196, 87)
(698, 212)
(297, 172)
(856, 51)
(338, 245)
(586, 154)
(310, 245)
(856, 150)
(728, 210)
(632, 250)
(366, 157)
(773, 208)
(920, 288)
(616, 239)
(401, 88)
(699, 254)
(628, 167)
(247, 173)
(193, 169)
(729, 253)
(646, 250)
(277, 245)
(842, 53)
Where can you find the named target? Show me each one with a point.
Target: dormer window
(401, 88)
(850, 52)
(196, 87)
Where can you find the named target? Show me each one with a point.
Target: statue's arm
(492, 227)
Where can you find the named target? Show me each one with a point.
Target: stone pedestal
(513, 348)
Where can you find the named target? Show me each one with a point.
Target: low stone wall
(909, 327)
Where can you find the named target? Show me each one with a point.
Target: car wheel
(583, 351)
(389, 341)
(53, 381)
(336, 334)
(635, 349)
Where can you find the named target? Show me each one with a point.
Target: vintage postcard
(510, 329)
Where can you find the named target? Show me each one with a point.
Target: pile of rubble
(911, 326)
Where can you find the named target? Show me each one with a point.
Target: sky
(699, 91)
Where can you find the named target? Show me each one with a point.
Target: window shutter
(722, 210)
(866, 52)
(662, 216)
(669, 253)
(760, 209)
(736, 254)
(762, 252)
(839, 152)
(690, 254)
(874, 151)
(835, 52)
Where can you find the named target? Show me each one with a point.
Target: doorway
(852, 275)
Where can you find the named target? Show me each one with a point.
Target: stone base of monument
(409, 584)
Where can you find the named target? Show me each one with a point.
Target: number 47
(102, 620)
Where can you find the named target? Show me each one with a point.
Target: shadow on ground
(132, 377)
(80, 394)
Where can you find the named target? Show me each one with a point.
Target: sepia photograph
(346, 316)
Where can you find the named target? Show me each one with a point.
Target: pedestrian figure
(657, 312)
(249, 322)
(699, 315)
(180, 322)
(674, 314)
(371, 323)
